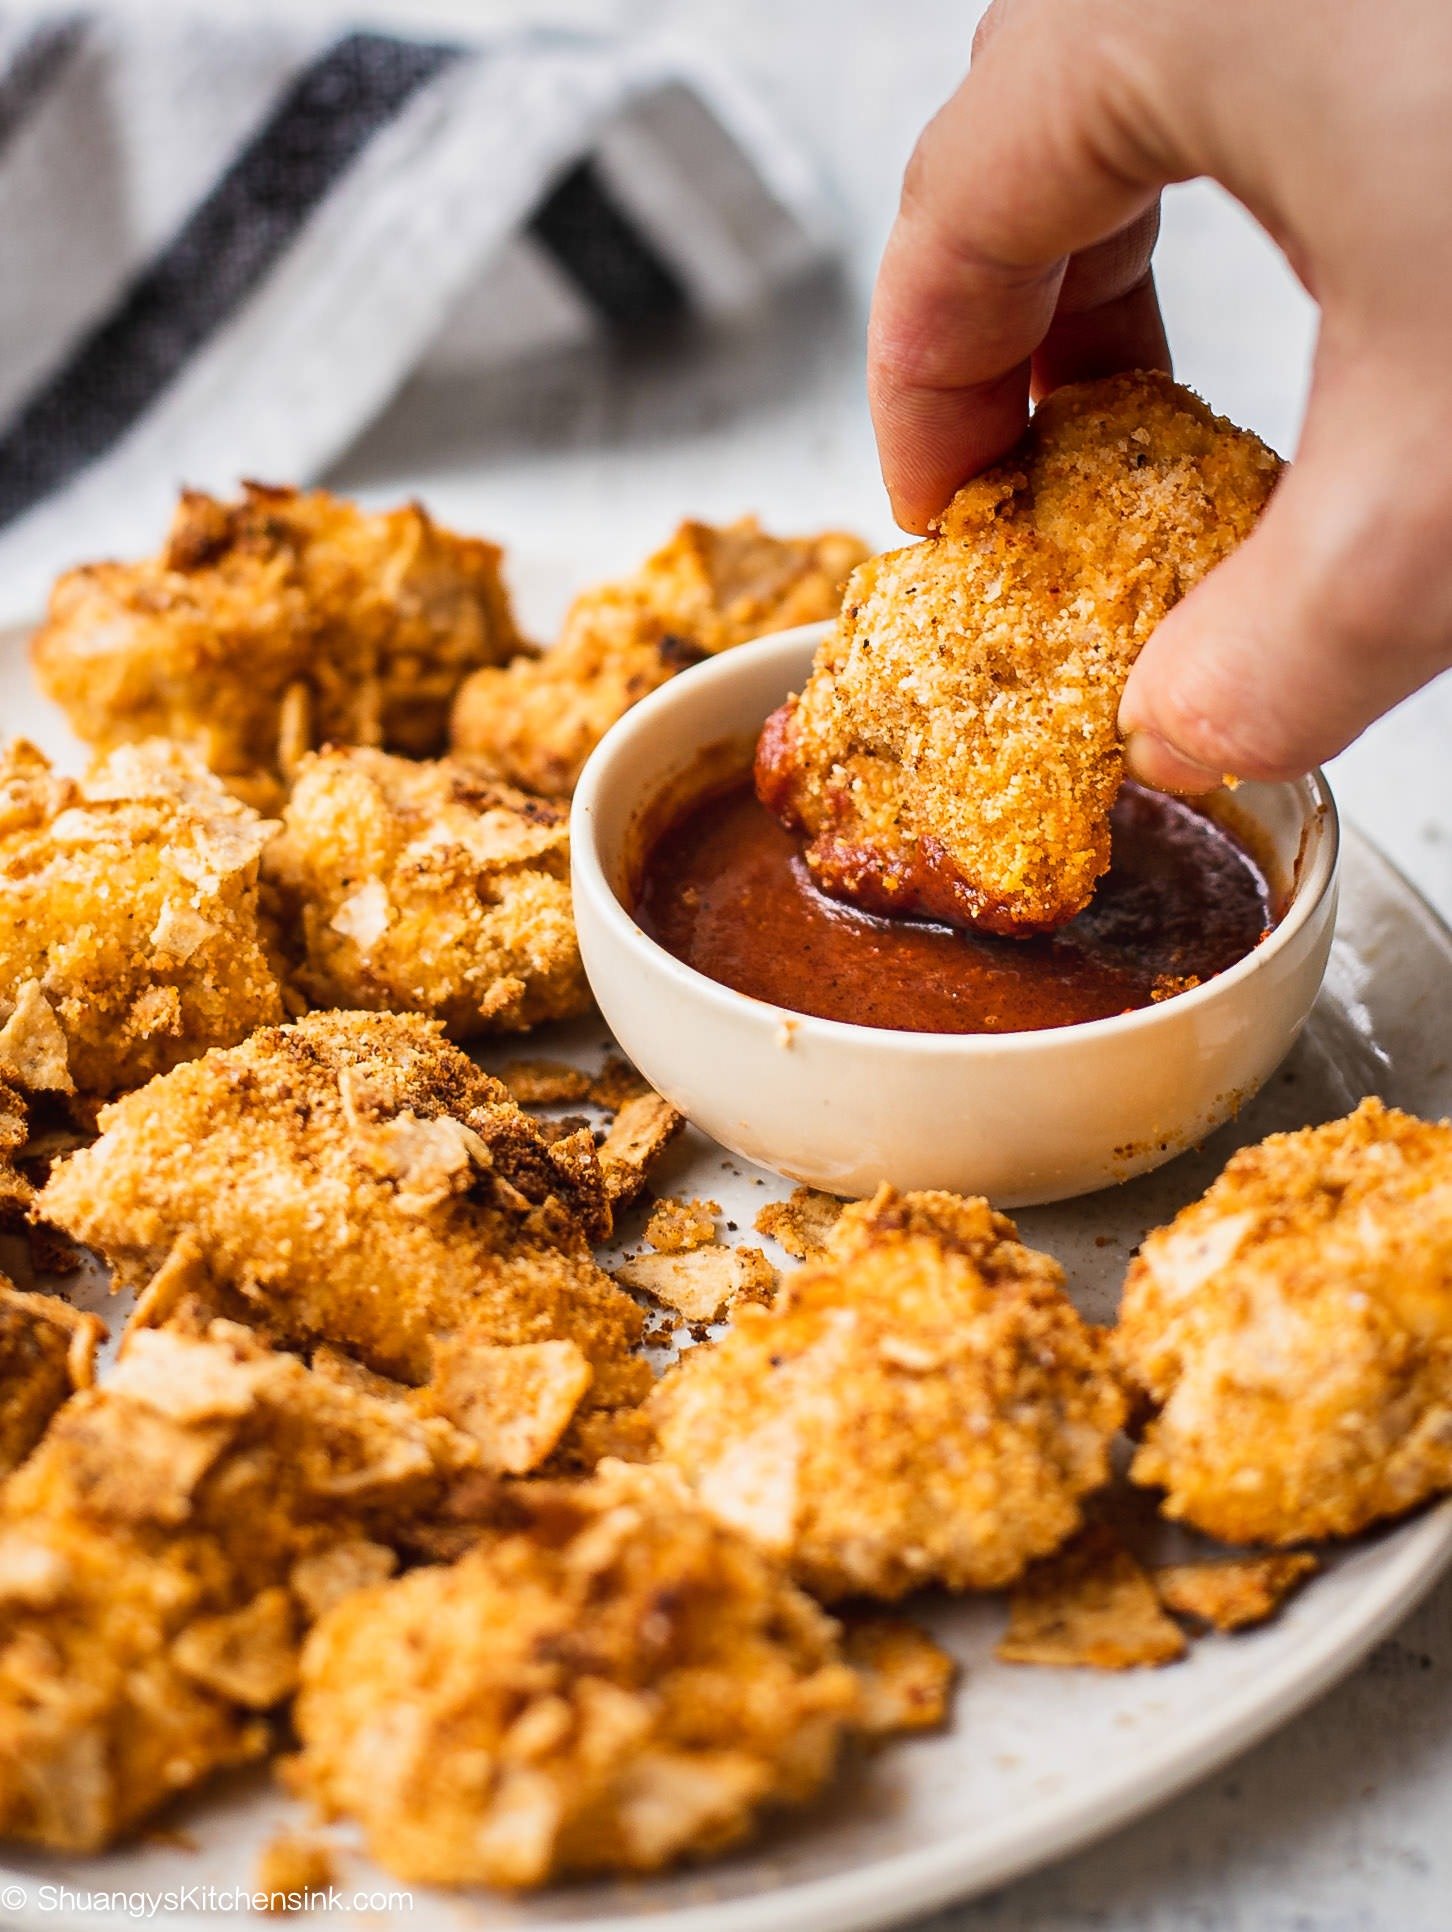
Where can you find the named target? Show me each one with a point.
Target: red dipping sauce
(725, 889)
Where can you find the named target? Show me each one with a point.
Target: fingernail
(1155, 762)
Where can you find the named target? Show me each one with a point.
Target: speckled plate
(1035, 1762)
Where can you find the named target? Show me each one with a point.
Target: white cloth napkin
(223, 248)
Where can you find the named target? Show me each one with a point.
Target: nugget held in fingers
(921, 1405)
(130, 935)
(1291, 1334)
(272, 625)
(537, 721)
(355, 1179)
(428, 887)
(619, 1684)
(955, 753)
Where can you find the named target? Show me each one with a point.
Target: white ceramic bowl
(1020, 1117)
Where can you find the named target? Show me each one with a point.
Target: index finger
(1027, 165)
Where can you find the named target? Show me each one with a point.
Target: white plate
(1036, 1762)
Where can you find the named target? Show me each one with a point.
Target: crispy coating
(269, 626)
(707, 589)
(428, 887)
(619, 1684)
(676, 1227)
(921, 1405)
(701, 1282)
(355, 1179)
(955, 751)
(147, 1547)
(1292, 1333)
(803, 1223)
(47, 1351)
(130, 937)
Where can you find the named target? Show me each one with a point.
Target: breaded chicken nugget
(274, 624)
(921, 1405)
(1293, 1331)
(619, 1684)
(129, 929)
(151, 1551)
(537, 721)
(429, 887)
(955, 751)
(355, 1179)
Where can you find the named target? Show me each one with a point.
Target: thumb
(1338, 606)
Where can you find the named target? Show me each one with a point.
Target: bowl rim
(1308, 894)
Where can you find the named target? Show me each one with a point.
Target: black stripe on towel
(615, 266)
(33, 66)
(217, 258)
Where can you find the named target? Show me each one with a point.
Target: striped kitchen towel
(223, 248)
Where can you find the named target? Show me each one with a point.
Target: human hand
(1021, 258)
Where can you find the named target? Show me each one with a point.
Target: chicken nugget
(921, 1405)
(619, 1684)
(147, 1616)
(955, 752)
(1290, 1334)
(130, 936)
(274, 624)
(354, 1178)
(428, 887)
(709, 588)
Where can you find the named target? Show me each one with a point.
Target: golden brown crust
(147, 1618)
(1290, 1334)
(286, 620)
(354, 1178)
(955, 751)
(428, 887)
(130, 932)
(617, 1685)
(707, 589)
(921, 1405)
(47, 1352)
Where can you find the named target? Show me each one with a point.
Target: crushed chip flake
(248, 1656)
(615, 1083)
(675, 1227)
(644, 1127)
(802, 1224)
(701, 1283)
(33, 1050)
(907, 1678)
(325, 1576)
(1237, 1594)
(543, 1083)
(516, 1402)
(1089, 1605)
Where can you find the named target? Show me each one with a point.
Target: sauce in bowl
(725, 889)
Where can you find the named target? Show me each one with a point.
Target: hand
(1020, 259)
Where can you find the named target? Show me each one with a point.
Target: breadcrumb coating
(355, 1179)
(1292, 1333)
(274, 624)
(130, 937)
(617, 1685)
(921, 1405)
(428, 887)
(955, 751)
(147, 1551)
(709, 588)
(47, 1352)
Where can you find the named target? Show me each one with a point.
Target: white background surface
(1340, 1824)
